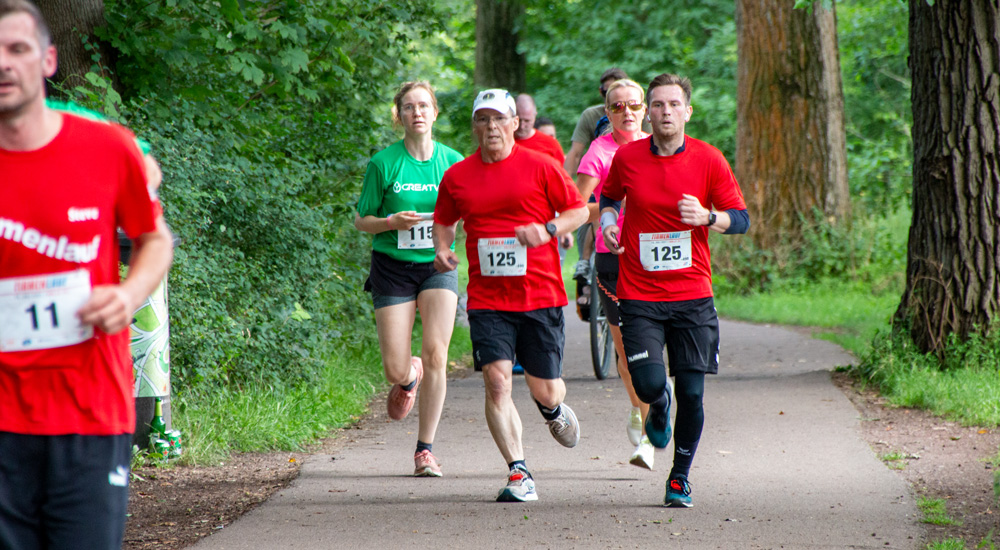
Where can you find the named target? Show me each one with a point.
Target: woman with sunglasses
(396, 204)
(625, 107)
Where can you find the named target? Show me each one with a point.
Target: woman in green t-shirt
(396, 204)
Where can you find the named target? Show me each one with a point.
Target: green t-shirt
(397, 182)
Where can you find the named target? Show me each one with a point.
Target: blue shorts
(535, 337)
(63, 491)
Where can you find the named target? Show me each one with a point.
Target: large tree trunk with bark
(69, 21)
(791, 152)
(954, 246)
(498, 64)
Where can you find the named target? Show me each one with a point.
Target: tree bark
(69, 21)
(498, 63)
(954, 244)
(791, 152)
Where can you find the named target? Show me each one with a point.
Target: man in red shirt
(66, 404)
(509, 196)
(678, 189)
(528, 136)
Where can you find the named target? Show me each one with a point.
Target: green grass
(935, 512)
(848, 314)
(895, 460)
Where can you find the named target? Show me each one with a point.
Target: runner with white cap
(509, 196)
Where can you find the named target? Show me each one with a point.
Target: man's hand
(532, 235)
(566, 241)
(445, 260)
(610, 234)
(692, 212)
(109, 308)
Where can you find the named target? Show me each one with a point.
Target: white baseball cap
(497, 99)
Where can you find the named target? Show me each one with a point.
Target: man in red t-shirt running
(678, 189)
(509, 196)
(67, 410)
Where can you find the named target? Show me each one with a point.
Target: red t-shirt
(544, 143)
(654, 185)
(493, 199)
(60, 209)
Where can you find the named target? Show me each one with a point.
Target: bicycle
(602, 348)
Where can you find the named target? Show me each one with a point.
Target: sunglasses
(619, 106)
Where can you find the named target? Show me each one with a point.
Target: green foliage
(261, 117)
(878, 115)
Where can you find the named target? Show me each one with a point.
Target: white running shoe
(643, 455)
(565, 428)
(634, 426)
(520, 487)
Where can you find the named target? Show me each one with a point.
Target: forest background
(264, 115)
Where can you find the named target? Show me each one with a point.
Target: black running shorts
(689, 329)
(63, 491)
(535, 337)
(394, 282)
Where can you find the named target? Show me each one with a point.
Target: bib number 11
(39, 312)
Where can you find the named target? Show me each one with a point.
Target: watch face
(551, 228)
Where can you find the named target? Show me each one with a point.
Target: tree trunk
(954, 246)
(69, 21)
(791, 152)
(498, 63)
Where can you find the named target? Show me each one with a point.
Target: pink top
(597, 163)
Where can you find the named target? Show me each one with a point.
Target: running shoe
(634, 426)
(678, 493)
(658, 426)
(425, 465)
(643, 455)
(582, 270)
(520, 487)
(401, 401)
(565, 428)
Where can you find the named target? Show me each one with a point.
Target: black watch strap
(551, 228)
(711, 218)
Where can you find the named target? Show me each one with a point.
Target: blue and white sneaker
(520, 487)
(658, 426)
(678, 493)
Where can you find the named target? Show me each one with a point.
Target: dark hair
(668, 79)
(405, 88)
(8, 7)
(543, 121)
(615, 73)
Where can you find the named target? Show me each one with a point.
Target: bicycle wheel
(602, 349)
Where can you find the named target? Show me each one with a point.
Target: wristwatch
(711, 218)
(551, 228)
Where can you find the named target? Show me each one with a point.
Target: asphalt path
(781, 464)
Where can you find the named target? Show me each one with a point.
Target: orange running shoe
(401, 401)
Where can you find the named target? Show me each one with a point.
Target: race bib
(418, 236)
(665, 251)
(39, 312)
(502, 257)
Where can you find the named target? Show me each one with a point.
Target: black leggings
(689, 389)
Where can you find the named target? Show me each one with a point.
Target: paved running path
(781, 464)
